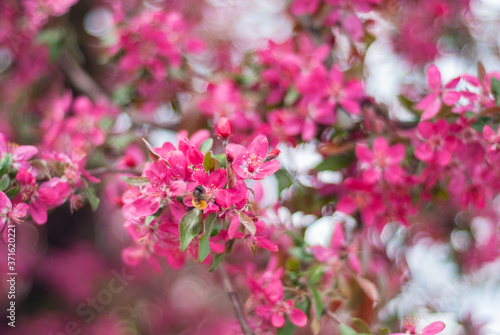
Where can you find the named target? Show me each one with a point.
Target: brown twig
(80, 78)
(235, 300)
(333, 316)
(103, 170)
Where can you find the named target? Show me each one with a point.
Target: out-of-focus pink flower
(431, 104)
(20, 153)
(8, 212)
(383, 161)
(438, 145)
(410, 325)
(250, 162)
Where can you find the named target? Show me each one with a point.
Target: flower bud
(224, 128)
(272, 155)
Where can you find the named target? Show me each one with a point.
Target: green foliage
(208, 162)
(495, 89)
(204, 246)
(4, 182)
(136, 181)
(206, 146)
(335, 163)
(190, 226)
(93, 199)
(5, 164)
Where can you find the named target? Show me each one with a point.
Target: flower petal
(433, 328)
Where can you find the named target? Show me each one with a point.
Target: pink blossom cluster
(151, 49)
(189, 186)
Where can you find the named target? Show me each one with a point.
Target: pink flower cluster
(181, 182)
(267, 299)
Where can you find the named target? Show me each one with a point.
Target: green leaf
(12, 192)
(5, 164)
(495, 89)
(385, 331)
(149, 219)
(315, 274)
(207, 145)
(136, 181)
(208, 162)
(222, 159)
(247, 222)
(190, 226)
(361, 325)
(318, 302)
(291, 96)
(204, 246)
(346, 330)
(335, 163)
(216, 260)
(287, 329)
(93, 199)
(4, 182)
(284, 180)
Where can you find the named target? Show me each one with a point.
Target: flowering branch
(235, 300)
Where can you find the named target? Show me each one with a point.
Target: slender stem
(80, 78)
(104, 169)
(333, 316)
(235, 300)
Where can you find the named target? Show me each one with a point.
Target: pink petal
(278, 320)
(351, 106)
(346, 205)
(259, 146)
(353, 27)
(177, 188)
(489, 134)
(235, 150)
(426, 101)
(433, 328)
(453, 83)
(451, 97)
(298, 317)
(426, 129)
(25, 152)
(371, 176)
(434, 78)
(396, 153)
(240, 167)
(38, 211)
(217, 179)
(266, 169)
(233, 228)
(432, 110)
(146, 206)
(424, 152)
(363, 153)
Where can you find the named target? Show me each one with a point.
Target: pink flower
(438, 145)
(493, 150)
(277, 313)
(383, 161)
(252, 162)
(361, 196)
(410, 325)
(431, 104)
(224, 128)
(9, 212)
(20, 153)
(212, 185)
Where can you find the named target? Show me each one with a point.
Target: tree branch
(235, 300)
(80, 78)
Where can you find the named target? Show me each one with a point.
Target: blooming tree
(174, 131)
